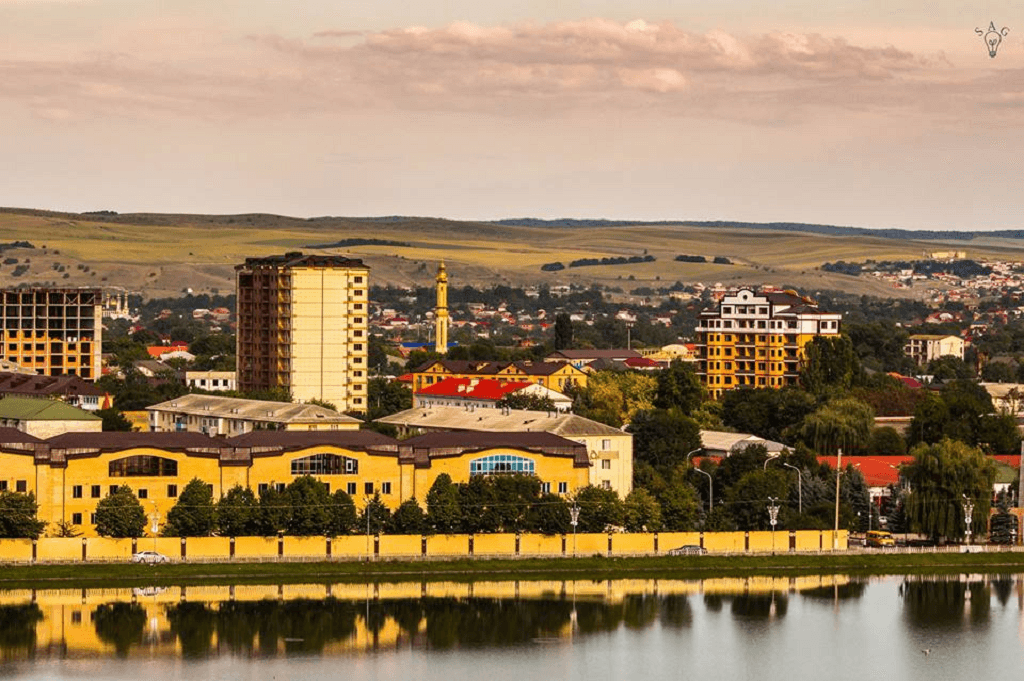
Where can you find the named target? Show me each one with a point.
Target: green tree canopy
(193, 514)
(663, 437)
(444, 514)
(310, 508)
(845, 423)
(375, 516)
(119, 514)
(940, 477)
(642, 512)
(237, 513)
(678, 387)
(408, 518)
(18, 516)
(831, 366)
(563, 331)
(343, 514)
(600, 509)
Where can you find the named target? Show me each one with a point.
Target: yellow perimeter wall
(199, 549)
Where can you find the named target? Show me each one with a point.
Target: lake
(836, 627)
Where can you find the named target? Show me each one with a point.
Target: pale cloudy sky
(869, 113)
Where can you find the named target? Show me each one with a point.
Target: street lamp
(968, 514)
(711, 482)
(155, 527)
(574, 520)
(799, 487)
(773, 517)
(839, 469)
(771, 457)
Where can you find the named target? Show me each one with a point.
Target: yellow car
(879, 538)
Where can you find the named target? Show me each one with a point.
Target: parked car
(879, 538)
(149, 557)
(688, 550)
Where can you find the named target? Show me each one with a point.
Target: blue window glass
(497, 464)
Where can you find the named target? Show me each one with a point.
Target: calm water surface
(757, 628)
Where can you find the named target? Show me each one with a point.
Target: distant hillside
(828, 230)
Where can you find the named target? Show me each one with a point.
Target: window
(357, 347)
(143, 494)
(350, 488)
(607, 484)
(172, 491)
(76, 492)
(358, 280)
(367, 488)
(76, 616)
(21, 486)
(325, 464)
(3, 485)
(92, 518)
(76, 518)
(545, 488)
(112, 489)
(385, 488)
(280, 487)
(501, 463)
(563, 488)
(95, 491)
(262, 487)
(606, 464)
(143, 466)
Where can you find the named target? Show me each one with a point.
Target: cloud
(516, 69)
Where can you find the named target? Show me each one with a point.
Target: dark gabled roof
(115, 441)
(784, 298)
(35, 384)
(621, 353)
(296, 439)
(12, 439)
(298, 259)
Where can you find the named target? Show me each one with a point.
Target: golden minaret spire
(441, 311)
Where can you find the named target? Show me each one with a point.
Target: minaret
(441, 311)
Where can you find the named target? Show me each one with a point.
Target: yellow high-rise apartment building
(757, 340)
(302, 326)
(54, 331)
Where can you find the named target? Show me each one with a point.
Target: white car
(149, 557)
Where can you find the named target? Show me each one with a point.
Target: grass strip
(588, 568)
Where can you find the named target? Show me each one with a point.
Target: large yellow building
(70, 473)
(555, 376)
(302, 326)
(757, 340)
(53, 331)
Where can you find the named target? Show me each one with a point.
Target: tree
(600, 509)
(550, 515)
(114, 420)
(563, 331)
(444, 514)
(375, 516)
(844, 423)
(642, 512)
(525, 400)
(886, 441)
(386, 397)
(408, 518)
(614, 397)
(275, 510)
(310, 508)
(766, 412)
(193, 514)
(831, 365)
(748, 499)
(119, 514)
(948, 368)
(678, 387)
(343, 513)
(999, 434)
(680, 505)
(1004, 527)
(940, 477)
(663, 437)
(18, 516)
(237, 513)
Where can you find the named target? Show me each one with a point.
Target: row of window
(19, 486)
(96, 491)
(351, 488)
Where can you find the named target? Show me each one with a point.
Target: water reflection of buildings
(275, 620)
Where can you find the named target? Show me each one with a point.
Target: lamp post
(155, 527)
(711, 482)
(968, 516)
(771, 457)
(574, 520)
(773, 517)
(799, 487)
(839, 469)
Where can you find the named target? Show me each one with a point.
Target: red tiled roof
(643, 362)
(878, 471)
(1009, 459)
(482, 389)
(158, 350)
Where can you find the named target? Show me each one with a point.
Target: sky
(862, 113)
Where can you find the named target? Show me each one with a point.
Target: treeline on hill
(348, 243)
(15, 244)
(960, 268)
(718, 259)
(590, 262)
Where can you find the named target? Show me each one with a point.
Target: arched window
(143, 467)
(501, 463)
(325, 464)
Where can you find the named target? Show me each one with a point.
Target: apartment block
(302, 326)
(923, 348)
(757, 340)
(54, 331)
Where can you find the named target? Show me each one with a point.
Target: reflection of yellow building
(70, 473)
(755, 340)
